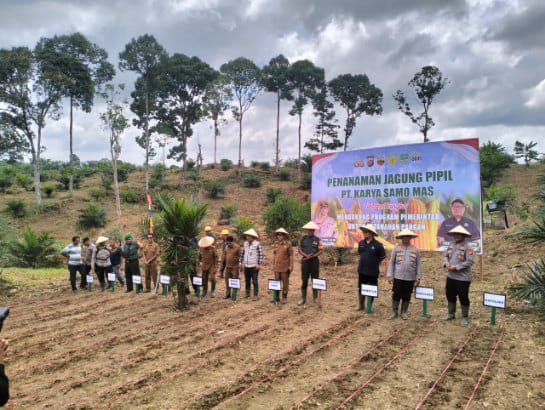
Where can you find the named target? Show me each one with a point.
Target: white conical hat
(101, 239)
(281, 230)
(251, 232)
(369, 228)
(206, 241)
(406, 232)
(311, 225)
(459, 229)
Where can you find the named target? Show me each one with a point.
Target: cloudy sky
(492, 51)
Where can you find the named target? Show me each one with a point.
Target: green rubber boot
(404, 310)
(395, 309)
(361, 303)
(314, 296)
(303, 297)
(451, 312)
(465, 316)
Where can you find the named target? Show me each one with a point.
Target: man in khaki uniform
(150, 252)
(283, 261)
(209, 262)
(230, 260)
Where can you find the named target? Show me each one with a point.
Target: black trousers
(250, 276)
(131, 268)
(102, 273)
(457, 288)
(402, 289)
(310, 268)
(73, 269)
(367, 280)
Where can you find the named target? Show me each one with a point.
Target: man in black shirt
(4, 382)
(371, 254)
(458, 209)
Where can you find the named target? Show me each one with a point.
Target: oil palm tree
(181, 219)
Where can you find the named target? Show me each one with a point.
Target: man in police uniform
(230, 260)
(404, 271)
(458, 209)
(457, 261)
(209, 262)
(371, 254)
(150, 254)
(283, 261)
(310, 248)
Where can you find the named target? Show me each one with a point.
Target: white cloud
(536, 96)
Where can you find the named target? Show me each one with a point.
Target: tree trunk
(71, 160)
(116, 187)
(299, 151)
(240, 139)
(277, 162)
(36, 168)
(147, 139)
(346, 129)
(216, 133)
(182, 296)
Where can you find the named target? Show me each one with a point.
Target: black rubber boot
(303, 297)
(395, 309)
(451, 315)
(361, 303)
(404, 310)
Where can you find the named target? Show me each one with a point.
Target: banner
(429, 188)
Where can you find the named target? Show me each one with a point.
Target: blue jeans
(115, 269)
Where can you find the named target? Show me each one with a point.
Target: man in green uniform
(130, 253)
(209, 262)
(309, 249)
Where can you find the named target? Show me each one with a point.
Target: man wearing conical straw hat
(283, 261)
(404, 270)
(209, 262)
(310, 248)
(457, 260)
(251, 259)
(371, 253)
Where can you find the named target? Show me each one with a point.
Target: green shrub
(251, 181)
(291, 163)
(9, 231)
(16, 208)
(286, 212)
(64, 179)
(49, 189)
(272, 194)
(130, 196)
(306, 182)
(194, 175)
(106, 181)
(157, 175)
(190, 164)
(265, 166)
(6, 181)
(505, 192)
(215, 188)
(225, 164)
(34, 250)
(24, 181)
(254, 164)
(93, 216)
(97, 194)
(284, 175)
(242, 224)
(228, 211)
(50, 207)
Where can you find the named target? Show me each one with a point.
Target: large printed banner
(429, 188)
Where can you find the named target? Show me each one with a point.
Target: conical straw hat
(251, 232)
(459, 229)
(369, 228)
(281, 230)
(406, 232)
(311, 225)
(206, 241)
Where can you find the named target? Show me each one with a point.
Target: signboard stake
(89, 287)
(165, 290)
(198, 291)
(319, 298)
(493, 317)
(112, 286)
(369, 304)
(425, 308)
(234, 294)
(275, 296)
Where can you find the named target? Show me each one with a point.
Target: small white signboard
(90, 278)
(111, 277)
(369, 290)
(164, 279)
(496, 300)
(319, 284)
(234, 283)
(275, 284)
(137, 279)
(421, 292)
(197, 280)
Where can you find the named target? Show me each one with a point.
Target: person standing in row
(209, 261)
(101, 261)
(224, 235)
(150, 255)
(310, 248)
(88, 258)
(457, 261)
(404, 270)
(371, 253)
(283, 261)
(251, 259)
(208, 232)
(115, 260)
(72, 253)
(230, 260)
(130, 253)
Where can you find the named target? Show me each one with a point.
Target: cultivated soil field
(127, 351)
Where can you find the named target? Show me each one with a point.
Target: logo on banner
(370, 160)
(392, 160)
(415, 157)
(380, 161)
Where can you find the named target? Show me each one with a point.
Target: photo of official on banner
(428, 188)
